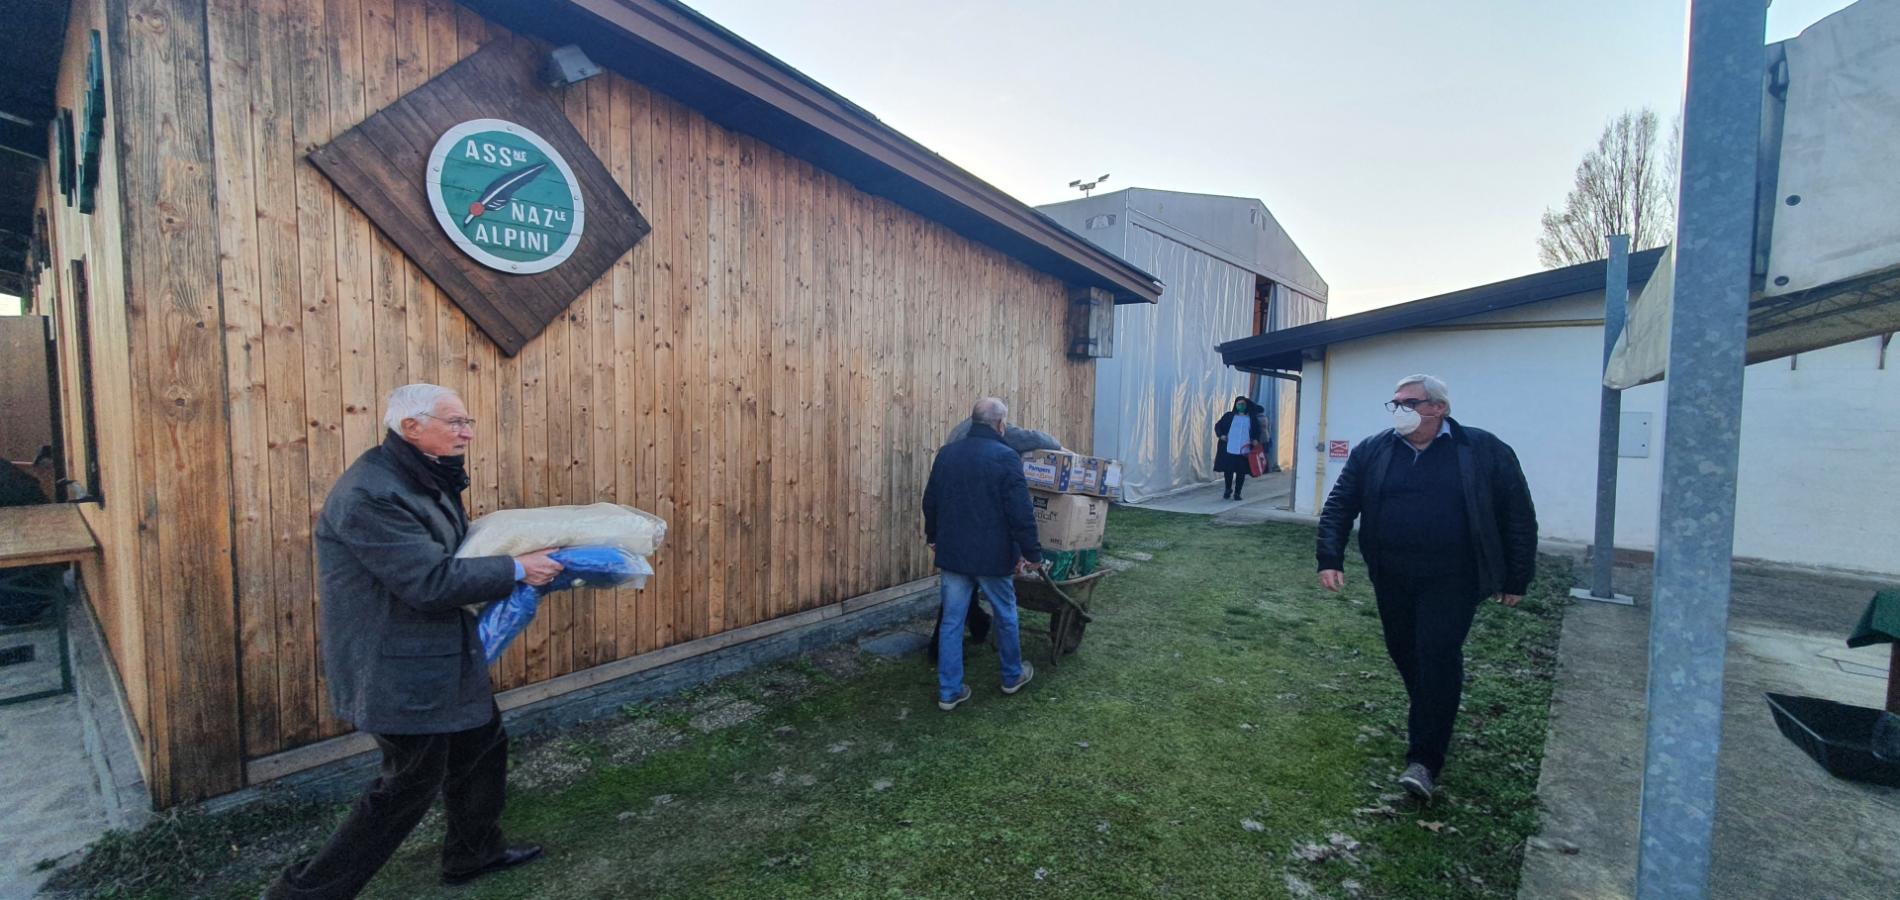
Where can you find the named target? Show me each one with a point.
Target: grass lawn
(1226, 730)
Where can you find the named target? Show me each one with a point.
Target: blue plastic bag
(593, 567)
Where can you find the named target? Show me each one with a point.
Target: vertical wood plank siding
(772, 369)
(181, 411)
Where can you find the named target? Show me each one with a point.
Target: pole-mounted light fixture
(1086, 186)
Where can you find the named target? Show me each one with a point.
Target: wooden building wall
(115, 586)
(771, 370)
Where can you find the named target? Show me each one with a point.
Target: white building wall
(1818, 469)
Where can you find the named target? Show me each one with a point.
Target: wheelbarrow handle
(1042, 574)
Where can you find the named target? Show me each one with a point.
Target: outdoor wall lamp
(568, 65)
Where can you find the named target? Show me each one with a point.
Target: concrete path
(68, 766)
(51, 796)
(1264, 496)
(1784, 827)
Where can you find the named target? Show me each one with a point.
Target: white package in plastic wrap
(512, 532)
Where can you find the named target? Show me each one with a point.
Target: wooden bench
(47, 534)
(42, 535)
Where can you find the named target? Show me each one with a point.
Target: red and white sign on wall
(1338, 449)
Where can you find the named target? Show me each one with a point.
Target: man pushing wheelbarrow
(982, 529)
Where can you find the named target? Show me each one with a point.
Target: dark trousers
(1234, 480)
(1426, 619)
(468, 768)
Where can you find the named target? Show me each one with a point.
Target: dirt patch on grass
(843, 662)
(726, 715)
(551, 765)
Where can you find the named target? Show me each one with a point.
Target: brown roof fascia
(718, 53)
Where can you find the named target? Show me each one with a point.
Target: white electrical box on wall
(1633, 436)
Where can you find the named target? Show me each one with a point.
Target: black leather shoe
(509, 858)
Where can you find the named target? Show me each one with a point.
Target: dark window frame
(93, 488)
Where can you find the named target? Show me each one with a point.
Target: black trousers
(1233, 480)
(1426, 619)
(468, 768)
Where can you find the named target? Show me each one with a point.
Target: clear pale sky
(1408, 147)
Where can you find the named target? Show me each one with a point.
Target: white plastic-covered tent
(1827, 228)
(1221, 259)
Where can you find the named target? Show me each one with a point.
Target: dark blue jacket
(976, 507)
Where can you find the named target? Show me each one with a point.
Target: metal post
(1715, 229)
(1616, 290)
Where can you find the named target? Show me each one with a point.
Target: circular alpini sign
(505, 196)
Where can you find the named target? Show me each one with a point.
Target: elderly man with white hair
(1445, 520)
(979, 522)
(401, 654)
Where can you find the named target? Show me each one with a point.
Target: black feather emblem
(501, 190)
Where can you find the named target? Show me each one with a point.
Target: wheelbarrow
(1066, 602)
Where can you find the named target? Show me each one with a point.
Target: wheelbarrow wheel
(1072, 634)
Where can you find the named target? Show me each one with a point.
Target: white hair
(990, 411)
(412, 401)
(1433, 386)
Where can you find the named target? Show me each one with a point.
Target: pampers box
(1069, 521)
(1063, 472)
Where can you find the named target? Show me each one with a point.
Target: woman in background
(1239, 427)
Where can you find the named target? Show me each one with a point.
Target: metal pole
(1616, 290)
(1715, 229)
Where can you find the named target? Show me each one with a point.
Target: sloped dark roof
(669, 46)
(1287, 349)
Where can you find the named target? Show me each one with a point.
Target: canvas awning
(1827, 228)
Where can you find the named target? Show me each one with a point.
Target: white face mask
(1405, 421)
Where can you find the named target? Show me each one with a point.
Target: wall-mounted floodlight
(568, 65)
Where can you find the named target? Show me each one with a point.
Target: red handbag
(1256, 458)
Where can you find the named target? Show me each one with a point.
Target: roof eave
(670, 47)
(1274, 349)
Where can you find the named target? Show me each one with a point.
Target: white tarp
(1158, 397)
(1840, 152)
(1834, 240)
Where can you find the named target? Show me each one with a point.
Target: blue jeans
(957, 590)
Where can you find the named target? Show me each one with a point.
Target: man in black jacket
(979, 522)
(401, 653)
(1445, 521)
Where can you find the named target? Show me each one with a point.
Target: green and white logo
(505, 196)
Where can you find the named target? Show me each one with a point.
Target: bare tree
(1623, 187)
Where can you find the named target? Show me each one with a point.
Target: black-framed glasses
(459, 424)
(1413, 405)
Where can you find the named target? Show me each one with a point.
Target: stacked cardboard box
(1066, 472)
(1069, 521)
(1071, 494)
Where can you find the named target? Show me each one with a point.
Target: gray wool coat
(400, 653)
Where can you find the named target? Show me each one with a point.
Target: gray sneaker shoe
(1417, 781)
(948, 705)
(1029, 671)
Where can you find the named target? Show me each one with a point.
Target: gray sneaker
(948, 705)
(1417, 781)
(1029, 671)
